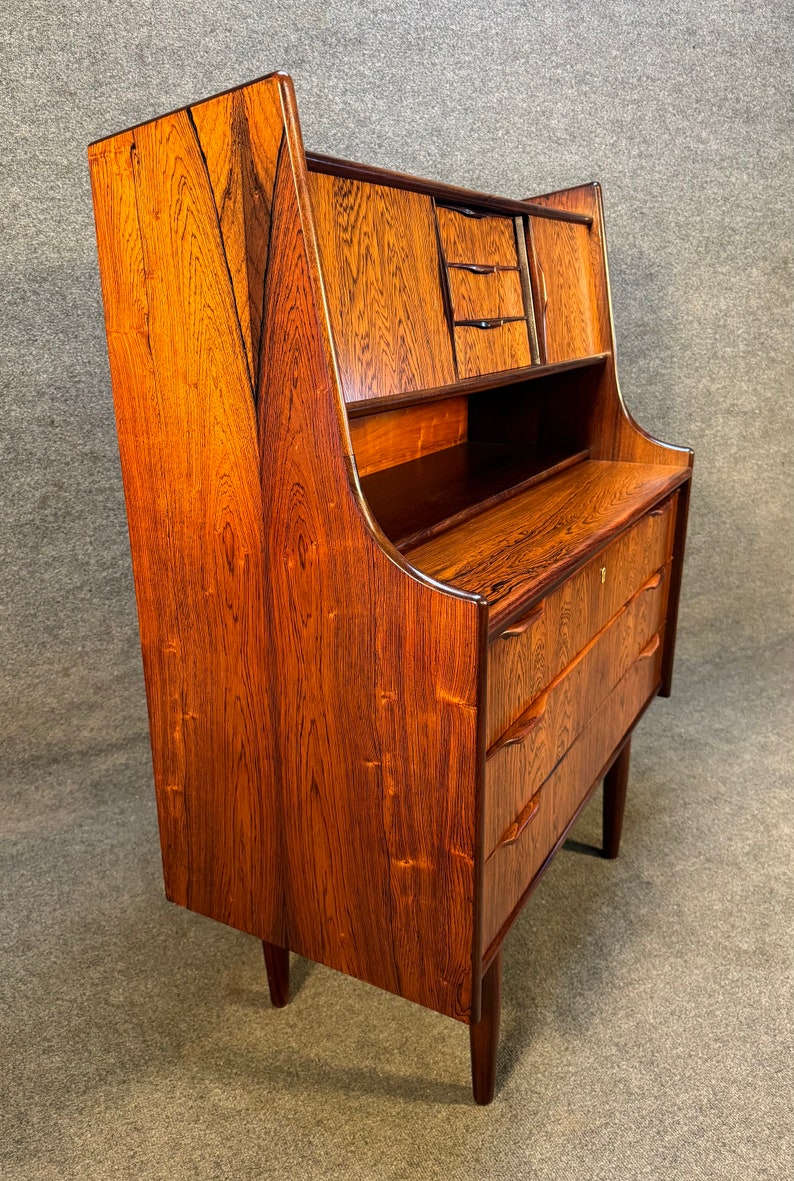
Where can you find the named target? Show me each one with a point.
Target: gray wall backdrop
(683, 110)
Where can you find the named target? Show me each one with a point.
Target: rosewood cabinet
(407, 571)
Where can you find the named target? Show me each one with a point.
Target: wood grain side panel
(510, 869)
(239, 135)
(485, 296)
(530, 749)
(377, 675)
(490, 350)
(516, 552)
(381, 272)
(488, 240)
(398, 436)
(569, 319)
(521, 666)
(187, 438)
(313, 703)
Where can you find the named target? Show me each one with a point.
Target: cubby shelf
(417, 500)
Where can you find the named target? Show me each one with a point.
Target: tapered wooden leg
(615, 784)
(277, 964)
(484, 1036)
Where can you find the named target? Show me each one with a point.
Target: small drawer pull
(659, 512)
(485, 324)
(649, 648)
(521, 625)
(655, 580)
(476, 268)
(511, 834)
(466, 210)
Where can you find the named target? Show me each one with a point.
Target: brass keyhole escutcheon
(603, 574)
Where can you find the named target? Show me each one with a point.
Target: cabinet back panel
(569, 323)
(397, 436)
(380, 266)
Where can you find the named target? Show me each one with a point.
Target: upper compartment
(429, 287)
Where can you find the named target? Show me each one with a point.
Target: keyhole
(603, 573)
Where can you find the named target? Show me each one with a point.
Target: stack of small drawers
(485, 289)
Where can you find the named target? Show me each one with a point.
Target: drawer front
(510, 869)
(529, 750)
(522, 664)
(485, 294)
(475, 239)
(491, 349)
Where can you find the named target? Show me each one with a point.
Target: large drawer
(474, 238)
(522, 851)
(533, 651)
(529, 750)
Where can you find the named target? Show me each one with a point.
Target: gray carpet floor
(646, 1024)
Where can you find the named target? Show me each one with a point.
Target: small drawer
(529, 654)
(528, 751)
(538, 827)
(491, 346)
(472, 237)
(481, 293)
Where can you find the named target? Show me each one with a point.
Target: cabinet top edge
(451, 194)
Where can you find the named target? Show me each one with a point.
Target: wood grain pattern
(190, 467)
(397, 436)
(320, 704)
(569, 320)
(478, 296)
(492, 350)
(420, 499)
(532, 746)
(616, 783)
(372, 174)
(612, 431)
(515, 553)
(545, 642)
(380, 265)
(488, 240)
(337, 833)
(511, 869)
(471, 385)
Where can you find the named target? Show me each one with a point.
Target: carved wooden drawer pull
(649, 648)
(524, 624)
(515, 830)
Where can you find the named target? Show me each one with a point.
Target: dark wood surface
(487, 241)
(530, 654)
(277, 966)
(416, 500)
(338, 833)
(484, 1035)
(291, 393)
(398, 436)
(452, 194)
(516, 552)
(616, 783)
(378, 256)
(485, 296)
(491, 349)
(513, 866)
(527, 752)
(473, 385)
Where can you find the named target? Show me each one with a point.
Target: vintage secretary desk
(407, 571)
